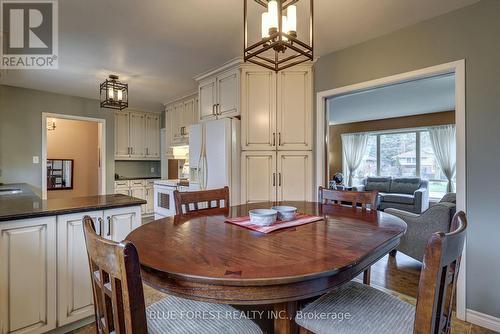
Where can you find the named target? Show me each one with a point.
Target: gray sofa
(420, 227)
(408, 194)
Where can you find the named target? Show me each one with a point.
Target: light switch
(152, 169)
(36, 159)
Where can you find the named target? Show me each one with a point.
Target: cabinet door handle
(274, 179)
(147, 151)
(218, 109)
(109, 227)
(279, 179)
(101, 226)
(274, 138)
(279, 139)
(213, 110)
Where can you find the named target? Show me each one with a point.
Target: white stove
(164, 205)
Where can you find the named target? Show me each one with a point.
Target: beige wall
(335, 131)
(77, 140)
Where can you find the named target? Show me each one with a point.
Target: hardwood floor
(398, 276)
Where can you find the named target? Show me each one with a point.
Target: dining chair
(207, 201)
(373, 311)
(119, 297)
(367, 199)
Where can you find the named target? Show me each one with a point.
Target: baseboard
(483, 320)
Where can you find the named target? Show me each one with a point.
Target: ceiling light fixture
(114, 94)
(279, 47)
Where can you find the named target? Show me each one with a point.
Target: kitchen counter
(28, 205)
(125, 178)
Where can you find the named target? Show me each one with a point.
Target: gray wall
(138, 168)
(20, 131)
(471, 33)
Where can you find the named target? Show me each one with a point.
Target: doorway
(456, 68)
(73, 156)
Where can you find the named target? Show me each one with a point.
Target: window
(402, 154)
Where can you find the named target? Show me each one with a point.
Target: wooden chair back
(190, 202)
(438, 278)
(340, 197)
(116, 282)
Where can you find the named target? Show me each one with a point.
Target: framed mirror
(59, 174)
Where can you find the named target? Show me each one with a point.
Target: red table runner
(300, 219)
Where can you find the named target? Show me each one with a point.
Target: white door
(188, 116)
(122, 144)
(294, 176)
(217, 168)
(137, 135)
(152, 136)
(207, 98)
(228, 88)
(28, 275)
(258, 109)
(177, 122)
(118, 223)
(294, 116)
(139, 192)
(258, 176)
(74, 288)
(150, 199)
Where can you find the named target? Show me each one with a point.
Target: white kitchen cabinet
(219, 95)
(149, 210)
(28, 275)
(180, 115)
(207, 96)
(294, 114)
(152, 136)
(139, 192)
(74, 289)
(142, 189)
(137, 135)
(122, 140)
(118, 223)
(294, 181)
(258, 109)
(258, 176)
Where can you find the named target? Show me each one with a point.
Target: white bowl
(263, 217)
(285, 213)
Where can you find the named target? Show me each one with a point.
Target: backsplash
(138, 168)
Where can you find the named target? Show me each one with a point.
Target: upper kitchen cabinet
(180, 114)
(294, 115)
(258, 106)
(219, 93)
(137, 135)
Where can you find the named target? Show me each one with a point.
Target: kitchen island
(44, 274)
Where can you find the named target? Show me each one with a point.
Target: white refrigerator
(214, 156)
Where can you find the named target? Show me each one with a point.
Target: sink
(10, 191)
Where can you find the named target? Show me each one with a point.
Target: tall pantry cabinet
(276, 128)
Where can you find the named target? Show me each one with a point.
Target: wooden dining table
(202, 257)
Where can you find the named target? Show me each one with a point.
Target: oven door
(164, 204)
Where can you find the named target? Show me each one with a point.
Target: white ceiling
(410, 98)
(158, 46)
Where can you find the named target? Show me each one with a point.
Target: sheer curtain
(354, 149)
(443, 141)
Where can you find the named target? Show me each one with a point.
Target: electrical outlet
(36, 159)
(152, 169)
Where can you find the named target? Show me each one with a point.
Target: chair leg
(366, 276)
(393, 252)
(302, 330)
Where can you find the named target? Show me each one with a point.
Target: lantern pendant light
(114, 94)
(280, 46)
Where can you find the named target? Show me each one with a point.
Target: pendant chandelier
(279, 46)
(114, 94)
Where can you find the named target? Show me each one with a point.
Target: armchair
(420, 227)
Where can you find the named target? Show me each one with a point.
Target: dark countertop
(29, 205)
(126, 178)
